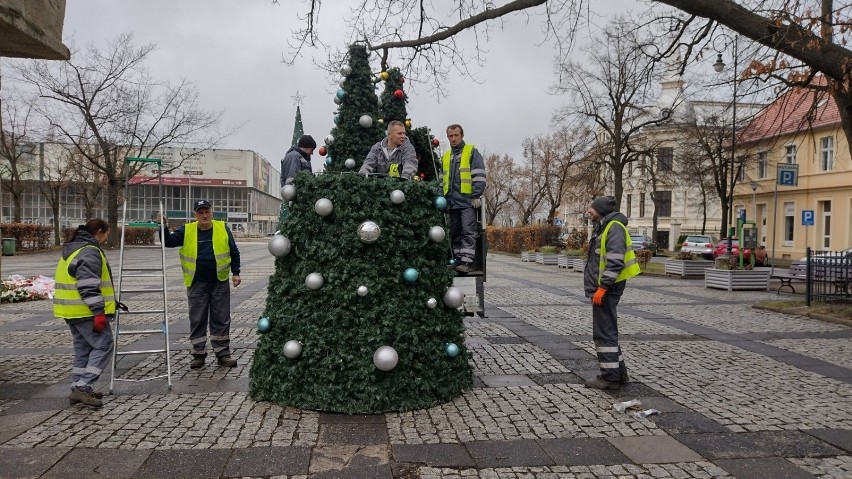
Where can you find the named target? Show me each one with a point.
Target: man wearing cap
(208, 252)
(297, 158)
(393, 156)
(611, 262)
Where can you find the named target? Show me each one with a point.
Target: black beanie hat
(604, 205)
(306, 141)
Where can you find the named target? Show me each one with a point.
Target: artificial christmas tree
(356, 98)
(298, 129)
(361, 315)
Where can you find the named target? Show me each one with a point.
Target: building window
(825, 207)
(629, 206)
(665, 157)
(789, 223)
(664, 203)
(641, 205)
(790, 155)
(741, 168)
(826, 153)
(762, 165)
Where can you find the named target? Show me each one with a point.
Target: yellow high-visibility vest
(67, 302)
(189, 251)
(465, 187)
(631, 266)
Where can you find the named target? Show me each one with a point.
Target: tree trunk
(57, 228)
(113, 195)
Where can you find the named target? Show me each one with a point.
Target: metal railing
(829, 278)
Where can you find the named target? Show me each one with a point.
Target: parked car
(831, 257)
(640, 242)
(699, 244)
(722, 246)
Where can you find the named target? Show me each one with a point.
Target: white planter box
(684, 268)
(563, 261)
(579, 264)
(546, 258)
(736, 279)
(528, 256)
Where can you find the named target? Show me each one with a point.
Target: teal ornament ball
(451, 262)
(411, 275)
(327, 161)
(341, 93)
(451, 349)
(263, 325)
(336, 119)
(440, 202)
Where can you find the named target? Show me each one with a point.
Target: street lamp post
(754, 200)
(719, 66)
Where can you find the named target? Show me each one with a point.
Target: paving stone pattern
(742, 393)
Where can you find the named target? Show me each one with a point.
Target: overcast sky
(232, 51)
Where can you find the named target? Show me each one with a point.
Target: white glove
(476, 203)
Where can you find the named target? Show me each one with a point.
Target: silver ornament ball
(314, 281)
(453, 298)
(365, 121)
(345, 70)
(397, 197)
(279, 246)
(341, 82)
(336, 101)
(323, 207)
(432, 303)
(349, 163)
(362, 290)
(292, 349)
(288, 192)
(369, 231)
(329, 140)
(385, 358)
(437, 234)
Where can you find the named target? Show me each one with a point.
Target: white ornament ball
(341, 82)
(345, 70)
(349, 163)
(329, 140)
(453, 298)
(288, 192)
(385, 358)
(369, 231)
(397, 197)
(432, 303)
(314, 281)
(279, 246)
(437, 234)
(323, 207)
(365, 121)
(362, 290)
(292, 349)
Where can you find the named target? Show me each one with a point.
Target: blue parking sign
(807, 217)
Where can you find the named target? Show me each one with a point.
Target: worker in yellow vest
(464, 184)
(611, 262)
(84, 297)
(208, 253)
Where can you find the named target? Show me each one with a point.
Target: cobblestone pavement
(742, 393)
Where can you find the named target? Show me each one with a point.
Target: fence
(829, 277)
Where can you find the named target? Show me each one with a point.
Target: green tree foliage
(351, 140)
(298, 129)
(339, 328)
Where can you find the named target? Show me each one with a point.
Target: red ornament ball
(436, 142)
(422, 176)
(398, 94)
(322, 151)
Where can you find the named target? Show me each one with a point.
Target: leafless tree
(121, 110)
(17, 163)
(57, 174)
(612, 90)
(501, 175)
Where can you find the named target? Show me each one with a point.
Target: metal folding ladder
(137, 278)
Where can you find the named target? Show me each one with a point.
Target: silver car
(702, 245)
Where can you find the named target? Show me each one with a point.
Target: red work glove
(100, 323)
(597, 299)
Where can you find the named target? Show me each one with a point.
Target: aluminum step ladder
(142, 278)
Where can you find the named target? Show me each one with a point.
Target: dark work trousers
(210, 302)
(463, 233)
(605, 336)
(92, 353)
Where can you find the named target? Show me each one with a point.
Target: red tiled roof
(798, 110)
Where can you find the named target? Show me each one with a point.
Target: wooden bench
(798, 271)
